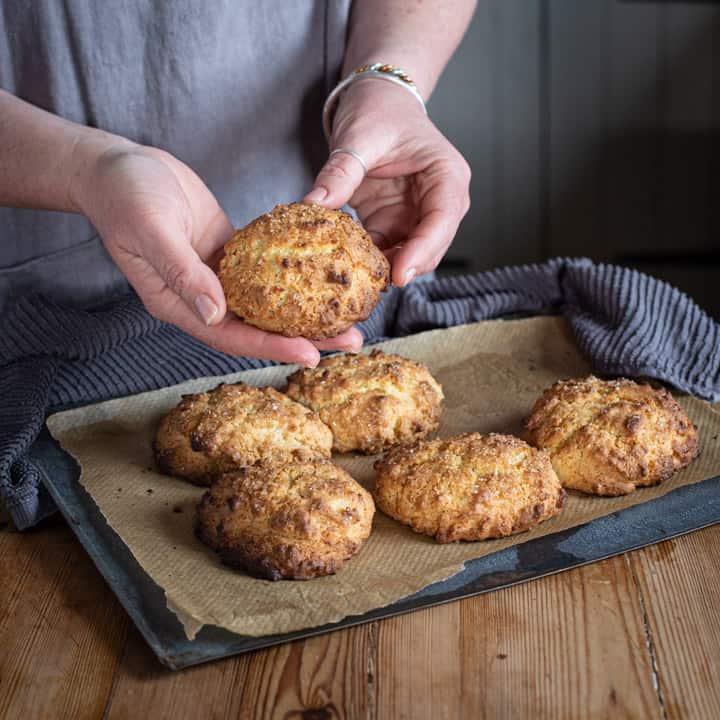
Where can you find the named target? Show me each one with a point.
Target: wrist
(375, 100)
(372, 90)
(89, 150)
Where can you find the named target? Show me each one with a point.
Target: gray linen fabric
(233, 88)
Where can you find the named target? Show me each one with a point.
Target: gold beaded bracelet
(380, 71)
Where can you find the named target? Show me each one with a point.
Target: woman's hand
(165, 231)
(416, 190)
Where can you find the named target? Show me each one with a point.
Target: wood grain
(418, 666)
(323, 677)
(61, 629)
(317, 679)
(678, 582)
(144, 688)
(567, 646)
(635, 636)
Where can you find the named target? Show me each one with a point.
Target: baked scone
(295, 521)
(235, 425)
(609, 437)
(370, 402)
(469, 487)
(303, 270)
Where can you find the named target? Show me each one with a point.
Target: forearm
(419, 37)
(42, 155)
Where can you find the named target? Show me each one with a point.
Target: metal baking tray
(681, 511)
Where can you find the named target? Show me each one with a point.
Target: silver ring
(348, 151)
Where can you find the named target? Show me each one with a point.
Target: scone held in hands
(303, 271)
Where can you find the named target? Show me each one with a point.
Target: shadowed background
(591, 128)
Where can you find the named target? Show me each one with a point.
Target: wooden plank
(572, 645)
(320, 677)
(679, 582)
(418, 670)
(144, 688)
(567, 646)
(61, 628)
(487, 104)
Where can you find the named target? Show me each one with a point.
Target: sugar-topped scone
(236, 425)
(295, 521)
(609, 437)
(468, 487)
(303, 270)
(370, 402)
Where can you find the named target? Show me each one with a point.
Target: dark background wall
(592, 130)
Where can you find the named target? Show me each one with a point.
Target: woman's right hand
(165, 231)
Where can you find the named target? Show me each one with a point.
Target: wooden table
(635, 636)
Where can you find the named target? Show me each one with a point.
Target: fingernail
(206, 308)
(409, 275)
(317, 195)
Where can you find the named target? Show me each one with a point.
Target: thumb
(338, 180)
(184, 272)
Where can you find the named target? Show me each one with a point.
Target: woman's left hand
(416, 190)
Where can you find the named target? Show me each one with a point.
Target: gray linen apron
(233, 88)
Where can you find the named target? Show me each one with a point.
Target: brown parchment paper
(491, 373)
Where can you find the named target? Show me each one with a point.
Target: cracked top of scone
(608, 437)
(303, 270)
(235, 425)
(468, 487)
(294, 521)
(370, 402)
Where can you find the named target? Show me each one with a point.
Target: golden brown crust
(303, 270)
(295, 521)
(609, 437)
(370, 402)
(235, 425)
(469, 487)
